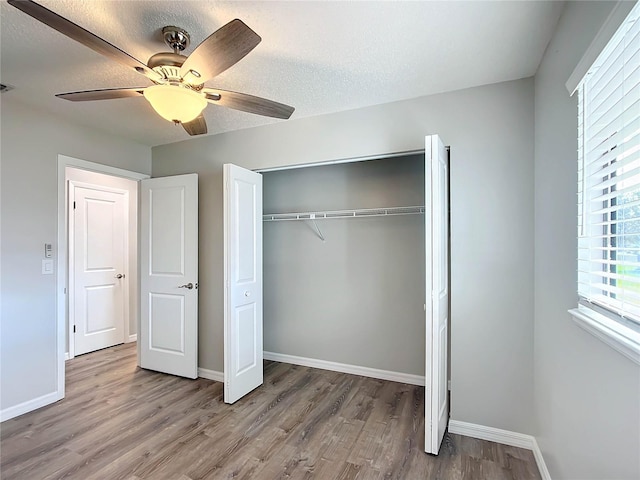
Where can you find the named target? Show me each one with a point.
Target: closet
(344, 256)
(342, 266)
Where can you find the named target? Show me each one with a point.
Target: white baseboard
(505, 437)
(537, 454)
(211, 374)
(346, 368)
(66, 356)
(497, 435)
(28, 406)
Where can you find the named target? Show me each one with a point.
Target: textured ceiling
(319, 57)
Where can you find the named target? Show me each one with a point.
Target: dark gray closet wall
(357, 298)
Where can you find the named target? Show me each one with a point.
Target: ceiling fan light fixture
(175, 103)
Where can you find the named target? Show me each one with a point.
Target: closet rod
(362, 212)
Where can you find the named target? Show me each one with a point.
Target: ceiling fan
(178, 93)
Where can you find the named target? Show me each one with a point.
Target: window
(609, 191)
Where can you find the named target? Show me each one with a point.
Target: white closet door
(242, 282)
(168, 339)
(437, 294)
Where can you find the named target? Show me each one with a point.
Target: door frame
(381, 156)
(61, 253)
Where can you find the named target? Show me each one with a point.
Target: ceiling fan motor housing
(168, 64)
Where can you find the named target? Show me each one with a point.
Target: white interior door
(168, 338)
(242, 281)
(437, 294)
(98, 242)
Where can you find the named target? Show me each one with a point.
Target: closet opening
(344, 266)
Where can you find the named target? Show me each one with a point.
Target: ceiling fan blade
(248, 103)
(222, 49)
(79, 34)
(106, 94)
(196, 127)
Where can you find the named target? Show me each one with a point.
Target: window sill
(622, 338)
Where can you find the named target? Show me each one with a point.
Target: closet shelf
(362, 212)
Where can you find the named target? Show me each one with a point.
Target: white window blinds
(609, 175)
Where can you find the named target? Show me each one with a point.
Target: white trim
(505, 437)
(211, 374)
(346, 368)
(67, 356)
(491, 434)
(29, 406)
(341, 160)
(61, 251)
(100, 168)
(542, 466)
(610, 26)
(618, 336)
(133, 338)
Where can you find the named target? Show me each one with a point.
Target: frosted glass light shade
(175, 103)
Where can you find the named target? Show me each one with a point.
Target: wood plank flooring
(121, 422)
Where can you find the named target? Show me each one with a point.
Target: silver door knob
(119, 275)
(188, 285)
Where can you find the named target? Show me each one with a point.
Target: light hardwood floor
(120, 422)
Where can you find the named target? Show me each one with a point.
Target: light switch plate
(47, 267)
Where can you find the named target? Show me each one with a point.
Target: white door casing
(243, 355)
(437, 292)
(98, 275)
(168, 337)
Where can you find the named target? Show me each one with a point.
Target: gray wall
(357, 298)
(31, 142)
(587, 396)
(490, 131)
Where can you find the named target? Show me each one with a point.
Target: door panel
(167, 247)
(100, 218)
(169, 265)
(167, 323)
(437, 292)
(99, 239)
(243, 282)
(101, 310)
